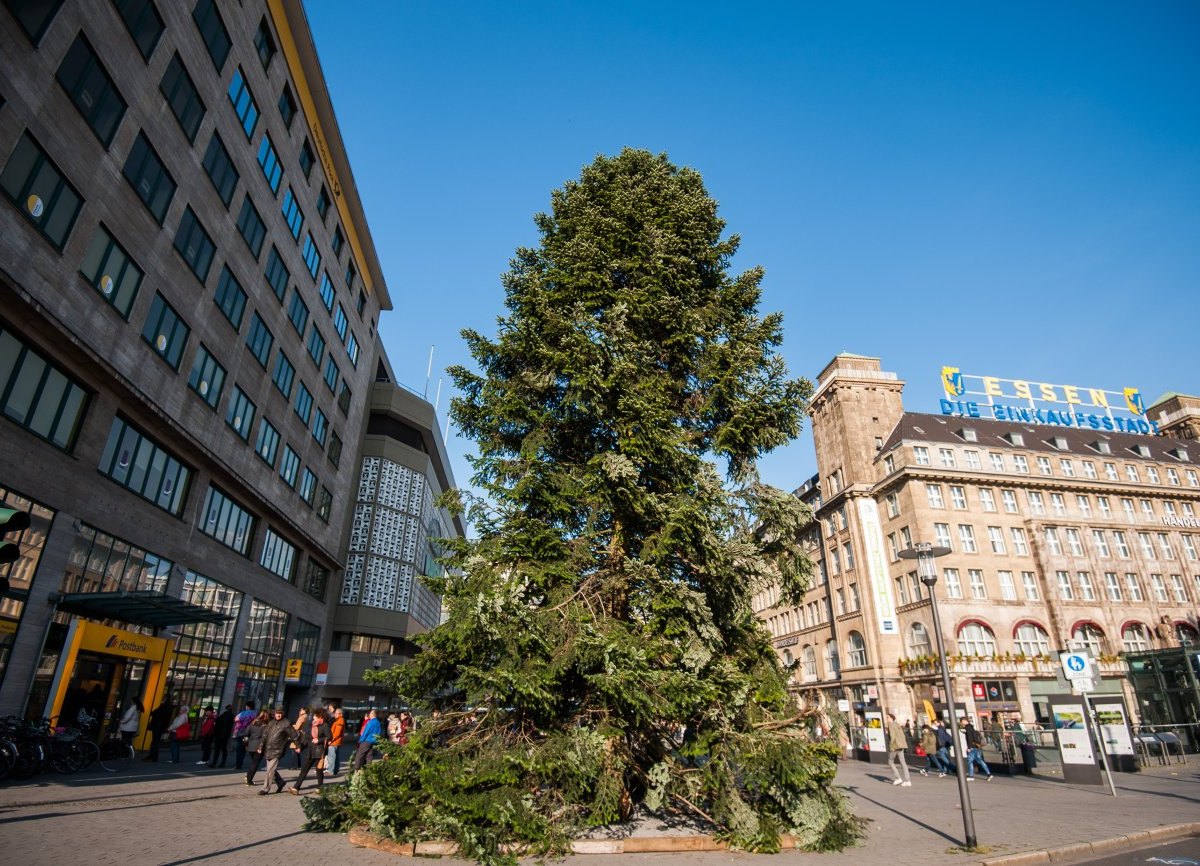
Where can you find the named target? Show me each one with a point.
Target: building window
(220, 170)
(316, 345)
(1058, 504)
(1029, 583)
(1036, 504)
(240, 416)
(1043, 464)
(308, 485)
(1031, 640)
(324, 504)
(975, 579)
(1134, 586)
(1019, 541)
(212, 31)
(1090, 636)
(889, 462)
(259, 339)
(975, 639)
(287, 106)
(941, 532)
(243, 103)
(165, 331)
(1122, 544)
(292, 213)
(289, 465)
(856, 655)
(1178, 590)
(958, 498)
(331, 374)
(340, 324)
(997, 460)
(1152, 475)
(307, 160)
(1146, 545)
(1074, 542)
(34, 185)
(1021, 464)
(111, 271)
(322, 203)
(966, 535)
(1089, 469)
(91, 90)
(1008, 589)
(316, 580)
(337, 242)
(207, 377)
(987, 499)
(1112, 585)
(230, 298)
(251, 226)
(921, 455)
(1053, 545)
(38, 396)
(1135, 638)
(335, 448)
(283, 375)
(298, 313)
(227, 522)
(1083, 504)
(946, 456)
(1100, 542)
(143, 22)
(351, 274)
(268, 161)
(312, 258)
(264, 43)
(1065, 590)
(267, 445)
(352, 351)
(193, 243)
(183, 98)
(344, 398)
(304, 402)
(1087, 592)
(919, 643)
(149, 178)
(1172, 476)
(34, 16)
(319, 428)
(996, 537)
(953, 583)
(277, 273)
(278, 557)
(1009, 498)
(138, 463)
(326, 290)
(972, 458)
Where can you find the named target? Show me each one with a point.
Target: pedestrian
(253, 744)
(301, 723)
(208, 727)
(131, 721)
(241, 724)
(945, 742)
(314, 744)
(278, 736)
(179, 730)
(897, 744)
(160, 720)
(337, 731)
(371, 731)
(929, 745)
(974, 752)
(221, 735)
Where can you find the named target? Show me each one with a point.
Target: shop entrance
(100, 688)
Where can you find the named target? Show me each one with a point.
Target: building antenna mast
(428, 373)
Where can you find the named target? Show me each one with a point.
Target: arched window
(1135, 638)
(976, 639)
(918, 640)
(1031, 639)
(856, 655)
(1186, 635)
(832, 662)
(810, 663)
(787, 657)
(1089, 635)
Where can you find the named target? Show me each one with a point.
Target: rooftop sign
(1042, 403)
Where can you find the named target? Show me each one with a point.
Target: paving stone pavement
(171, 815)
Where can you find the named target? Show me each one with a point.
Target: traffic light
(10, 521)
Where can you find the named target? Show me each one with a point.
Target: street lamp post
(925, 554)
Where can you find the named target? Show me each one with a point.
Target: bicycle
(114, 754)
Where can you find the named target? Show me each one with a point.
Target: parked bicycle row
(28, 748)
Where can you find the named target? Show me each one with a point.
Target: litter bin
(1029, 757)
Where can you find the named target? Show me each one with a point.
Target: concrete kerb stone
(1100, 846)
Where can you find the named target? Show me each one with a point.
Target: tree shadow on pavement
(211, 854)
(854, 789)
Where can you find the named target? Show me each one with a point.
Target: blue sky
(1013, 189)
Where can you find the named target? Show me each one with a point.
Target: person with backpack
(974, 752)
(241, 726)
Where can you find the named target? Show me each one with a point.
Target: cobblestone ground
(172, 815)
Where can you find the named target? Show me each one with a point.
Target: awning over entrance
(141, 607)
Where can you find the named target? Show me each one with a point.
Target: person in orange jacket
(337, 728)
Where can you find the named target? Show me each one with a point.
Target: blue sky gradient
(1012, 189)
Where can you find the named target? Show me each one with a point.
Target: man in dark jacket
(159, 721)
(945, 741)
(280, 734)
(221, 735)
(314, 743)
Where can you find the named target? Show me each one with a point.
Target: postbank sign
(971, 396)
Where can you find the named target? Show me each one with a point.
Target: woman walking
(254, 743)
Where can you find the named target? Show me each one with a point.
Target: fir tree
(601, 620)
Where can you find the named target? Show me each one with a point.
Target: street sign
(1080, 669)
(293, 670)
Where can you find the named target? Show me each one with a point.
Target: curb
(1101, 847)
(361, 837)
